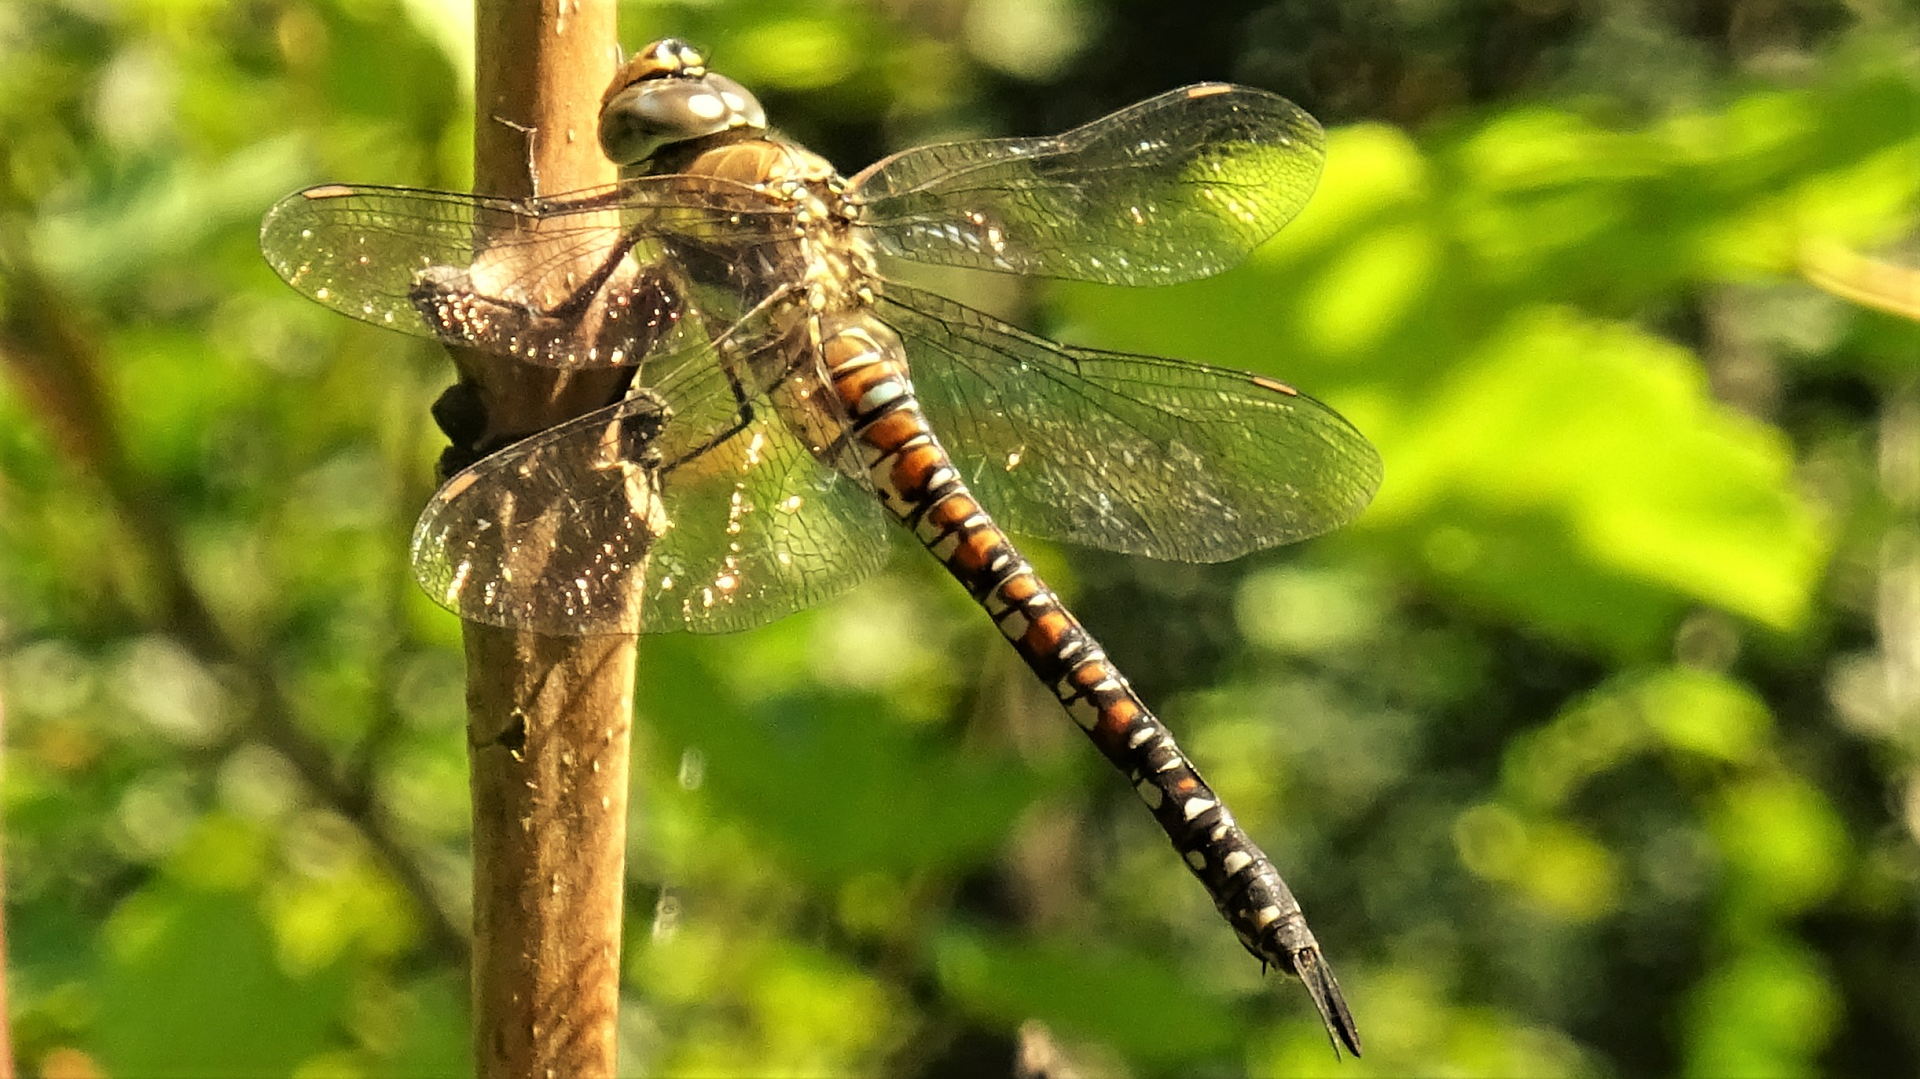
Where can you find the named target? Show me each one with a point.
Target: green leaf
(196, 992)
(1769, 1011)
(831, 778)
(1085, 991)
(1784, 841)
(1614, 433)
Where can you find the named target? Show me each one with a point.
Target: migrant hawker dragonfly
(735, 277)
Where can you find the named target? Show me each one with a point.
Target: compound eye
(639, 119)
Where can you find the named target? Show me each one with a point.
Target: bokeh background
(1593, 749)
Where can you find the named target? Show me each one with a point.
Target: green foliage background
(1593, 749)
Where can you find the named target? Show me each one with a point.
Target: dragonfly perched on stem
(784, 398)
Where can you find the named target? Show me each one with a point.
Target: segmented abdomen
(920, 486)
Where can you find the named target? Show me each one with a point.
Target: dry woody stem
(548, 718)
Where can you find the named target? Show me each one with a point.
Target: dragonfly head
(665, 95)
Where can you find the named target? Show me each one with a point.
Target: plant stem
(549, 718)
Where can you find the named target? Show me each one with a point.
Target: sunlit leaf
(203, 996)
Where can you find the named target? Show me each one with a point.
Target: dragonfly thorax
(827, 263)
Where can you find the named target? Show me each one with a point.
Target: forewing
(576, 280)
(1134, 454)
(545, 535)
(1179, 186)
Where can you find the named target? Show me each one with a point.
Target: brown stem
(548, 718)
(549, 816)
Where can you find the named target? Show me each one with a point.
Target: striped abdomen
(920, 486)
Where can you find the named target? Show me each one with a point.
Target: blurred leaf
(830, 778)
(1692, 712)
(1784, 840)
(162, 213)
(200, 995)
(803, 1010)
(1706, 714)
(317, 920)
(1555, 867)
(817, 1011)
(1297, 609)
(1529, 564)
(1416, 1031)
(1570, 874)
(223, 852)
(437, 1043)
(807, 48)
(1614, 432)
(1768, 1012)
(449, 25)
(1086, 991)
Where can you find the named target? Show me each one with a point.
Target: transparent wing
(580, 279)
(761, 527)
(1134, 454)
(544, 534)
(1179, 186)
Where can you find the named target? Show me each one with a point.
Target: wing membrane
(545, 534)
(761, 526)
(575, 280)
(1134, 454)
(1179, 186)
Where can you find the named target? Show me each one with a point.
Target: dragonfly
(782, 398)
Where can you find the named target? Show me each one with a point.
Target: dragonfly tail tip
(1314, 973)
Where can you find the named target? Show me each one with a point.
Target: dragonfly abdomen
(918, 483)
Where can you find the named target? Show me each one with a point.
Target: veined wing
(545, 534)
(572, 280)
(1179, 186)
(1135, 454)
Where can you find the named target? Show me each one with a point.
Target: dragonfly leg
(739, 346)
(743, 418)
